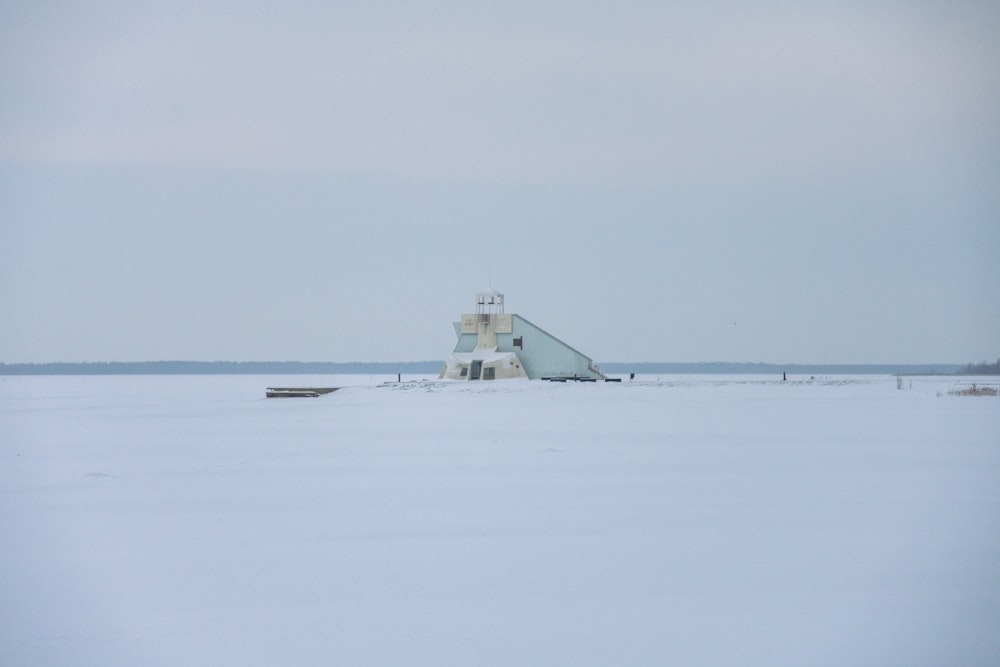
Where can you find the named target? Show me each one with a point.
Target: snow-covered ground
(674, 520)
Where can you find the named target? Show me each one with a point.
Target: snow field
(694, 520)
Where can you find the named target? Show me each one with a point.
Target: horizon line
(221, 367)
(429, 361)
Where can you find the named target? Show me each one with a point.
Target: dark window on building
(465, 371)
(519, 342)
(489, 373)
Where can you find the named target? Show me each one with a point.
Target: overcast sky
(783, 182)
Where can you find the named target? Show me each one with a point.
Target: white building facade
(494, 345)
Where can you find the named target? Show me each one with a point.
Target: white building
(493, 345)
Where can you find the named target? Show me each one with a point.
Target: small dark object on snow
(298, 392)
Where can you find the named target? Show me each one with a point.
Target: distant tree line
(982, 368)
(433, 367)
(221, 368)
(759, 368)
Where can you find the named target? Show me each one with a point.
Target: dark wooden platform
(298, 392)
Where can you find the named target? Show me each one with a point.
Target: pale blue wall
(466, 342)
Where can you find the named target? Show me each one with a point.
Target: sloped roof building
(493, 345)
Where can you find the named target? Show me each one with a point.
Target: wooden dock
(298, 392)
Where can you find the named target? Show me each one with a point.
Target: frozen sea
(672, 520)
